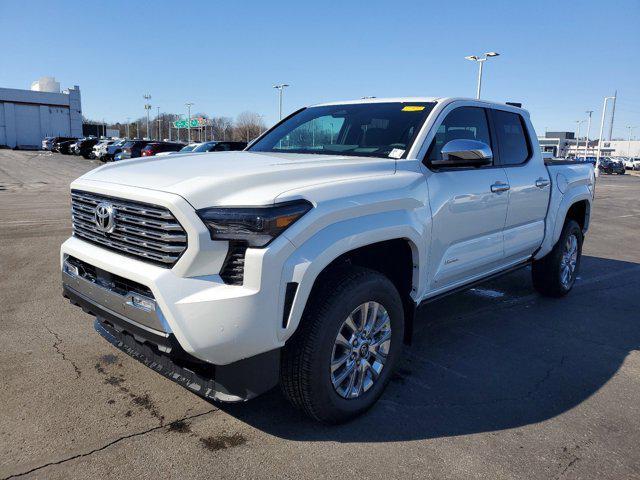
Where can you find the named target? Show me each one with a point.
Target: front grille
(143, 231)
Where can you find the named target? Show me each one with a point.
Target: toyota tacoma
(302, 259)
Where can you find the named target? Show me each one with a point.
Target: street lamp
(147, 107)
(629, 145)
(281, 88)
(586, 143)
(604, 109)
(480, 61)
(189, 105)
(578, 123)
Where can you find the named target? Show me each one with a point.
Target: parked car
(634, 163)
(219, 146)
(63, 146)
(100, 148)
(47, 143)
(113, 149)
(85, 147)
(57, 140)
(132, 149)
(626, 161)
(154, 148)
(303, 259)
(610, 166)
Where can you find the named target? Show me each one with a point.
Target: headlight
(255, 226)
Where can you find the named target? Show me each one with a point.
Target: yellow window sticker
(413, 108)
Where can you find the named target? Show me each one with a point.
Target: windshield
(363, 129)
(188, 148)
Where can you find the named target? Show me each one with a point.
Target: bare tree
(248, 126)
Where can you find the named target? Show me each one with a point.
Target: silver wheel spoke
(346, 372)
(349, 322)
(336, 364)
(342, 342)
(360, 350)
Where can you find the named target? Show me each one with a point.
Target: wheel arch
(575, 205)
(394, 250)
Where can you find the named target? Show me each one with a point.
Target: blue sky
(559, 58)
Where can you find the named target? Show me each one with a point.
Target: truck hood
(237, 178)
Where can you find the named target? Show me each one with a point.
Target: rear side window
(512, 138)
(462, 123)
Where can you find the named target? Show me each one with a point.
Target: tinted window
(514, 148)
(464, 122)
(361, 129)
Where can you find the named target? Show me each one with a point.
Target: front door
(468, 206)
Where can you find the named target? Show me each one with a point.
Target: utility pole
(604, 109)
(613, 113)
(586, 145)
(280, 87)
(189, 105)
(480, 61)
(159, 132)
(147, 107)
(128, 123)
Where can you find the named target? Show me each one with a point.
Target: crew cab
(301, 260)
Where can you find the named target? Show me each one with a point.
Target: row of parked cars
(113, 149)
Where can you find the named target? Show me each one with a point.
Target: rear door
(529, 183)
(468, 206)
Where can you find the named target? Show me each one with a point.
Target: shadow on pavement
(491, 359)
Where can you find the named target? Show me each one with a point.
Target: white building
(27, 116)
(623, 148)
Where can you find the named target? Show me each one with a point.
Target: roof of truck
(418, 100)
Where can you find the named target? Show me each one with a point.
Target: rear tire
(554, 274)
(317, 355)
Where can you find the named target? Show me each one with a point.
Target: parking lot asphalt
(499, 382)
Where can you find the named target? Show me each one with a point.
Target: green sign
(195, 123)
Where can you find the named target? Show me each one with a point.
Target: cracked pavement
(499, 382)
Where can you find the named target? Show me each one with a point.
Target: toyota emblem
(104, 217)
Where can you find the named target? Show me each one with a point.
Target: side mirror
(464, 153)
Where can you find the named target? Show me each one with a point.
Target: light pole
(159, 132)
(613, 113)
(629, 144)
(480, 61)
(281, 88)
(147, 107)
(604, 109)
(586, 143)
(128, 122)
(189, 105)
(578, 123)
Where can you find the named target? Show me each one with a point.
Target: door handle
(500, 187)
(542, 182)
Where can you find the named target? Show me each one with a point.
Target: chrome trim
(119, 305)
(149, 232)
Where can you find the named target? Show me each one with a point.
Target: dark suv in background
(62, 144)
(157, 147)
(132, 149)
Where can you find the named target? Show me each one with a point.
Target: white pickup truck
(301, 260)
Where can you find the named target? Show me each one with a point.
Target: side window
(464, 122)
(512, 137)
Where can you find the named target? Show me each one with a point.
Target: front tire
(339, 361)
(554, 274)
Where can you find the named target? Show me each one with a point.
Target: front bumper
(133, 323)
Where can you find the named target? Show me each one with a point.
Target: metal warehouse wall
(26, 116)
